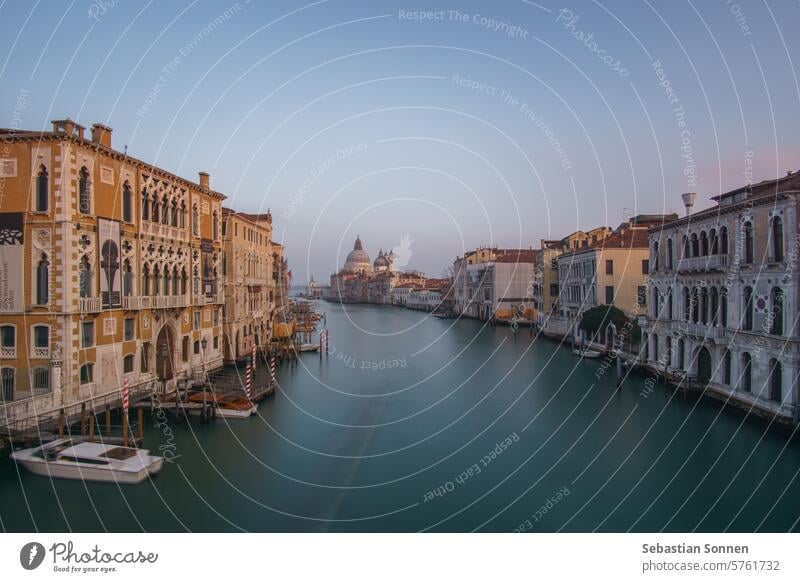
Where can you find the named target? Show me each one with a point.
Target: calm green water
(341, 448)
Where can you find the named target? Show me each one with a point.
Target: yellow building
(110, 270)
(250, 282)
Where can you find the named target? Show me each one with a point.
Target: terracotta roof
(517, 256)
(631, 238)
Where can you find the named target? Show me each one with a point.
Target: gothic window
(85, 277)
(42, 190)
(776, 233)
(84, 194)
(127, 203)
(43, 281)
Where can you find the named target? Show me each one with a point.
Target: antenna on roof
(126, 149)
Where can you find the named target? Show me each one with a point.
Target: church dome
(381, 263)
(358, 259)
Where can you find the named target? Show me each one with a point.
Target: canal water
(414, 423)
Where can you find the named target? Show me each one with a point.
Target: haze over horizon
(466, 124)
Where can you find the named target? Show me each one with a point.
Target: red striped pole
(125, 396)
(248, 373)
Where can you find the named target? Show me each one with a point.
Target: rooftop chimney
(101, 134)
(68, 127)
(204, 180)
(688, 201)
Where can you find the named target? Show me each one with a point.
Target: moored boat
(308, 348)
(65, 459)
(587, 353)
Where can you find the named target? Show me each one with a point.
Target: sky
(429, 126)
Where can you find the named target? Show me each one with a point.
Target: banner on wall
(11, 262)
(110, 276)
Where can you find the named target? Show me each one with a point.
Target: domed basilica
(360, 279)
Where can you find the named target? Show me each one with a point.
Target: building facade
(724, 297)
(249, 281)
(491, 283)
(110, 272)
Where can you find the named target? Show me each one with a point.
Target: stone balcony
(702, 264)
(90, 305)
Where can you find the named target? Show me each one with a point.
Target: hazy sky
(485, 122)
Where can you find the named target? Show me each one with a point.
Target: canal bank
(480, 429)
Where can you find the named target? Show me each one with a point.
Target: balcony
(41, 353)
(8, 352)
(702, 264)
(90, 305)
(702, 331)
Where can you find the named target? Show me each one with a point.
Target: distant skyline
(452, 124)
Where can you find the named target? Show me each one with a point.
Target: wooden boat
(587, 353)
(228, 406)
(65, 459)
(234, 406)
(308, 348)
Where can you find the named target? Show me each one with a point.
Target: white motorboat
(587, 353)
(309, 347)
(86, 461)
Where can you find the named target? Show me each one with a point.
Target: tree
(597, 319)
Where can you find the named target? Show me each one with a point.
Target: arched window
(654, 261)
(156, 280)
(704, 244)
(8, 341)
(87, 373)
(776, 311)
(723, 306)
(714, 306)
(695, 245)
(655, 302)
(145, 205)
(712, 235)
(196, 282)
(40, 380)
(174, 207)
(164, 210)
(195, 221)
(669, 305)
(681, 352)
(645, 342)
(127, 278)
(175, 280)
(84, 194)
(127, 203)
(166, 289)
(41, 341)
(42, 190)
(747, 234)
(85, 279)
(775, 380)
(182, 216)
(704, 306)
(747, 309)
(655, 348)
(687, 249)
(156, 208)
(746, 377)
(184, 280)
(726, 359)
(215, 228)
(669, 253)
(723, 240)
(687, 304)
(8, 381)
(146, 281)
(696, 305)
(43, 281)
(668, 350)
(776, 234)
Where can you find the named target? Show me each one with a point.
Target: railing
(90, 305)
(41, 353)
(702, 331)
(8, 352)
(154, 301)
(710, 262)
